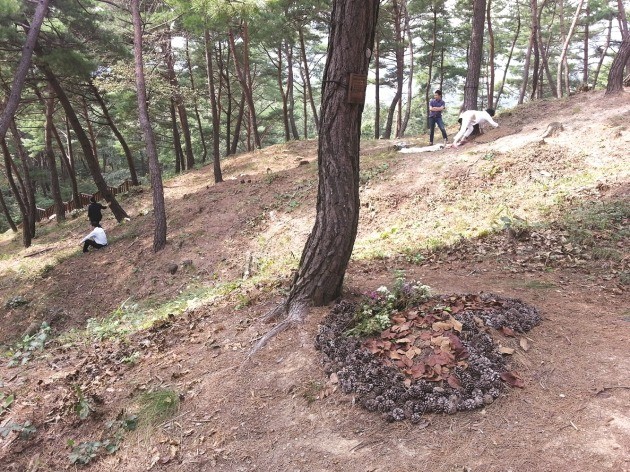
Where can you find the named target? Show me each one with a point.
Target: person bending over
(97, 238)
(469, 119)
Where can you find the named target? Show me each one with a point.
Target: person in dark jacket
(94, 211)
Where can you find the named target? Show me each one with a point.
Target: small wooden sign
(356, 88)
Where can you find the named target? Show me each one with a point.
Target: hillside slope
(543, 220)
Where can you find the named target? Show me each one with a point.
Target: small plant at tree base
(26, 429)
(87, 451)
(374, 314)
(28, 345)
(82, 407)
(158, 406)
(5, 402)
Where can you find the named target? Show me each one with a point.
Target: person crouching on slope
(469, 119)
(97, 238)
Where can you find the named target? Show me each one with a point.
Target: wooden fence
(84, 200)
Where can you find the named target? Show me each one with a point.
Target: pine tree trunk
(283, 95)
(407, 114)
(327, 252)
(427, 89)
(604, 50)
(12, 102)
(117, 133)
(615, 75)
(27, 183)
(50, 155)
(180, 163)
(490, 54)
(239, 124)
(84, 141)
(563, 55)
(66, 163)
(535, 47)
(159, 209)
(509, 59)
(471, 87)
(7, 215)
(196, 104)
(216, 119)
(307, 77)
(290, 92)
(27, 236)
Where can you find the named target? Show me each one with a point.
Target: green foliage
(5, 402)
(374, 313)
(25, 429)
(81, 407)
(28, 345)
(157, 406)
(86, 452)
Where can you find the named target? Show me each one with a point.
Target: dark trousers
(90, 242)
(436, 120)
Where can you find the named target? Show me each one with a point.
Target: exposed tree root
(295, 313)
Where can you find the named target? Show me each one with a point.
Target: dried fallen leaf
(454, 382)
(508, 331)
(524, 344)
(513, 379)
(506, 350)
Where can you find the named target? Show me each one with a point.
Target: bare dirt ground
(427, 215)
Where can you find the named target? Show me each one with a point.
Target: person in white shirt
(97, 238)
(469, 119)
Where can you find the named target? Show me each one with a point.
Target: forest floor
(163, 339)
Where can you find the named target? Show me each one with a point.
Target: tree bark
(22, 69)
(615, 76)
(471, 87)
(407, 115)
(604, 50)
(535, 47)
(563, 54)
(509, 59)
(60, 210)
(67, 163)
(490, 54)
(7, 215)
(290, 91)
(244, 77)
(159, 209)
(307, 79)
(27, 236)
(377, 91)
(196, 104)
(400, 58)
(84, 141)
(117, 133)
(27, 183)
(180, 162)
(325, 257)
(216, 119)
(427, 89)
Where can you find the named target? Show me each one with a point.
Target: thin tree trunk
(528, 56)
(491, 53)
(307, 77)
(84, 141)
(216, 121)
(427, 89)
(536, 48)
(180, 162)
(399, 52)
(27, 184)
(283, 95)
(377, 91)
(509, 59)
(585, 57)
(130, 164)
(66, 163)
(244, 78)
(544, 51)
(290, 91)
(239, 124)
(27, 235)
(7, 215)
(196, 104)
(565, 47)
(22, 69)
(159, 209)
(50, 155)
(471, 87)
(604, 50)
(407, 115)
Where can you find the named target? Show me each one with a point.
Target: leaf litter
(439, 356)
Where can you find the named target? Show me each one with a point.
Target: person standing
(94, 211)
(436, 107)
(96, 239)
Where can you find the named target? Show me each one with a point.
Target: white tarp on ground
(410, 150)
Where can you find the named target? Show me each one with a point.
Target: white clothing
(98, 235)
(470, 118)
